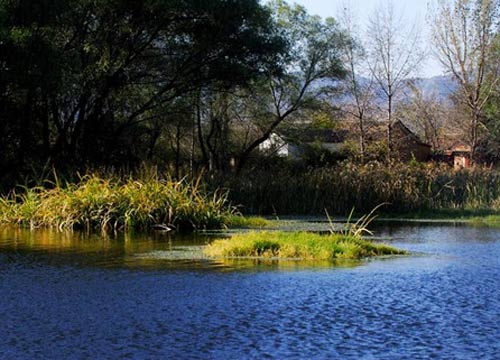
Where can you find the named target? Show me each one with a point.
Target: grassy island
(297, 245)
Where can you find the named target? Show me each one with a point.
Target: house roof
(409, 133)
(460, 147)
(336, 136)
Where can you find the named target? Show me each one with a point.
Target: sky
(411, 9)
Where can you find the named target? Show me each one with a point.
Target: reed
(408, 188)
(96, 202)
(357, 228)
(490, 220)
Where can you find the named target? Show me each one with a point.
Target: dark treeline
(196, 86)
(88, 84)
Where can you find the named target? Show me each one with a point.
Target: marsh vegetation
(107, 203)
(409, 189)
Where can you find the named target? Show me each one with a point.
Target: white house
(292, 145)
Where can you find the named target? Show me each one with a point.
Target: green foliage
(86, 83)
(323, 118)
(489, 221)
(315, 155)
(112, 204)
(297, 245)
(490, 146)
(312, 41)
(312, 60)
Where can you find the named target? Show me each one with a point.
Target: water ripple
(88, 301)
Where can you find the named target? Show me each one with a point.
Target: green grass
(239, 221)
(113, 204)
(297, 245)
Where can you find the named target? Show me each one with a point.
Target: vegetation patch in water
(297, 245)
(238, 221)
(491, 220)
(109, 204)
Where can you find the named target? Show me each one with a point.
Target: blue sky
(412, 9)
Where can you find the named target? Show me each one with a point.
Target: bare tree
(427, 115)
(358, 83)
(463, 36)
(394, 55)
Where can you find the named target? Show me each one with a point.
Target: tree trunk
(201, 140)
(177, 151)
(389, 128)
(361, 136)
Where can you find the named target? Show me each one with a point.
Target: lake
(144, 297)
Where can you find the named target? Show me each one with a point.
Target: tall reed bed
(110, 204)
(408, 188)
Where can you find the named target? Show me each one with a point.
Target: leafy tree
(491, 144)
(313, 64)
(82, 79)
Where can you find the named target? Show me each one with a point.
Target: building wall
(461, 161)
(406, 147)
(276, 145)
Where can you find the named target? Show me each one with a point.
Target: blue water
(83, 301)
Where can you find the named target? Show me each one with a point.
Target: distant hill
(439, 86)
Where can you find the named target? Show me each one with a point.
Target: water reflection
(162, 251)
(154, 251)
(72, 247)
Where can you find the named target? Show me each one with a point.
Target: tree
(358, 83)
(491, 145)
(313, 62)
(217, 111)
(394, 55)
(464, 34)
(83, 78)
(427, 115)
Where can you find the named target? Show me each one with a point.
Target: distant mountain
(437, 87)
(440, 87)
